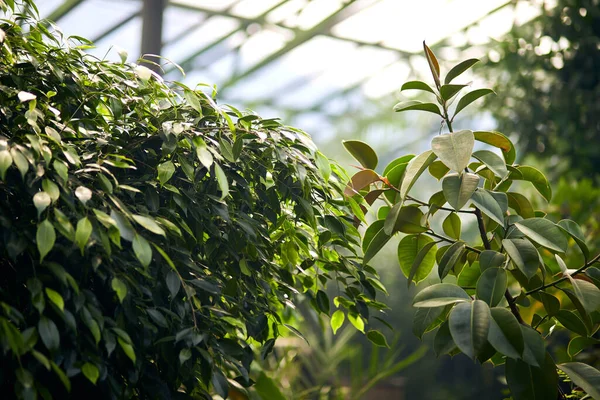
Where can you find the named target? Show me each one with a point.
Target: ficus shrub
(152, 241)
(504, 297)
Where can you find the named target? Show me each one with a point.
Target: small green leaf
(490, 259)
(323, 164)
(438, 169)
(520, 204)
(82, 233)
(524, 255)
(362, 152)
(127, 349)
(165, 172)
(55, 298)
(357, 321)
(454, 149)
(452, 226)
(417, 85)
(91, 372)
(450, 258)
(404, 219)
(574, 230)
(459, 69)
(448, 91)
(51, 188)
(443, 343)
(23, 165)
(377, 338)
(469, 98)
(61, 376)
(222, 181)
(469, 325)
(584, 376)
(440, 294)
(323, 301)
(142, 250)
(572, 322)
(173, 283)
(579, 343)
(434, 65)
(45, 237)
(184, 355)
(415, 105)
(120, 288)
(49, 333)
(491, 286)
(543, 232)
(337, 320)
(149, 223)
(493, 161)
(267, 389)
(424, 320)
(458, 189)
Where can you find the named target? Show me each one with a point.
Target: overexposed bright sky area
(305, 59)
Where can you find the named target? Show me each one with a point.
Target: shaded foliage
(152, 240)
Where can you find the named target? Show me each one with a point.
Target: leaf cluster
(151, 238)
(499, 298)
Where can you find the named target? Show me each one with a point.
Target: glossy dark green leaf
(438, 169)
(469, 98)
(448, 91)
(450, 259)
(491, 286)
(505, 333)
(415, 105)
(523, 254)
(45, 238)
(469, 275)
(323, 301)
(267, 389)
(424, 319)
(520, 204)
(398, 161)
(584, 376)
(440, 294)
(572, 322)
(362, 152)
(454, 149)
(49, 333)
(490, 259)
(587, 293)
(416, 256)
(165, 172)
(142, 250)
(458, 189)
(580, 343)
(459, 69)
(443, 342)
(469, 325)
(535, 349)
(551, 303)
(544, 232)
(527, 382)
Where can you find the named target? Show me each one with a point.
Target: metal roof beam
(63, 9)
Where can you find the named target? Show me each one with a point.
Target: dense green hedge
(152, 241)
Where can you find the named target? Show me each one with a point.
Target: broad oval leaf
(438, 169)
(406, 219)
(535, 350)
(337, 320)
(505, 333)
(491, 286)
(91, 372)
(142, 250)
(443, 343)
(537, 179)
(82, 233)
(523, 254)
(362, 152)
(416, 255)
(520, 204)
(574, 230)
(361, 180)
(165, 172)
(469, 326)
(377, 338)
(448, 91)
(424, 320)
(440, 294)
(400, 160)
(587, 293)
(490, 259)
(458, 189)
(544, 232)
(452, 226)
(48, 333)
(572, 322)
(584, 376)
(454, 149)
(149, 224)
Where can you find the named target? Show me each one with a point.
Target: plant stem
(439, 208)
(486, 243)
(564, 278)
(445, 116)
(432, 233)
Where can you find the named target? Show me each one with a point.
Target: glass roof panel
(253, 8)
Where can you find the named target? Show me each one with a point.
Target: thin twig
(432, 233)
(564, 278)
